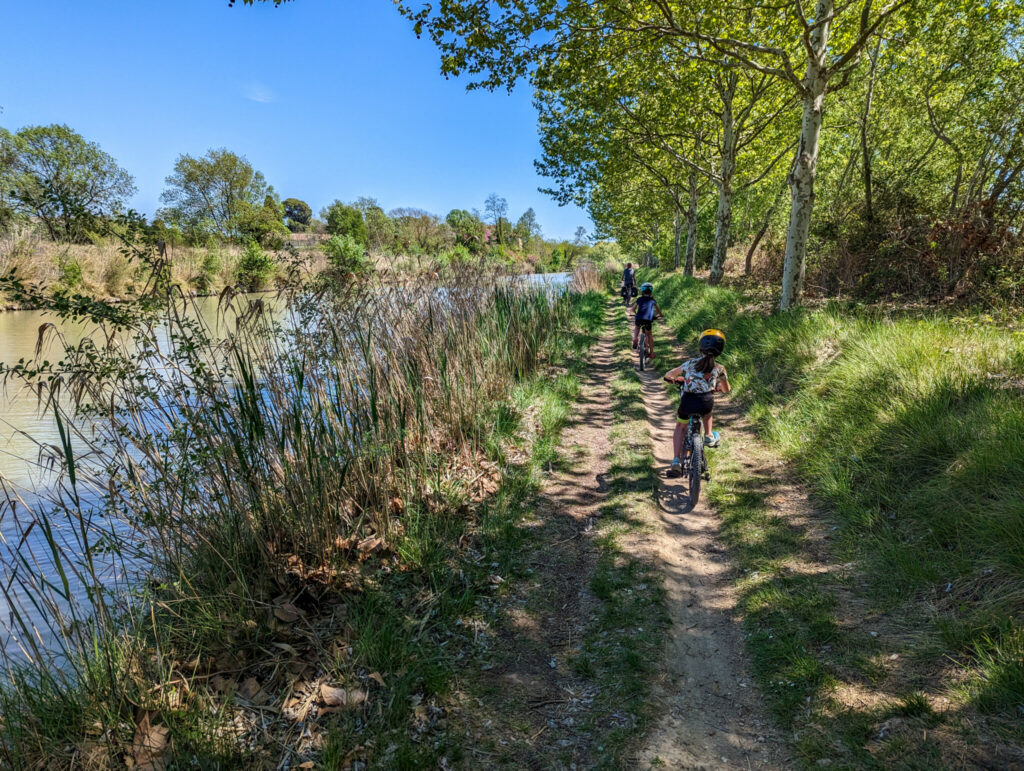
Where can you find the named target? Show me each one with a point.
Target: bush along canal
(315, 503)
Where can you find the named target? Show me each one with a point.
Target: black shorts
(644, 324)
(695, 404)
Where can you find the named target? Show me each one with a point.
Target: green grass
(266, 578)
(907, 429)
(414, 626)
(623, 645)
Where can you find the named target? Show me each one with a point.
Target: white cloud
(257, 92)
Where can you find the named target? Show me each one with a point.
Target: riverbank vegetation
(64, 217)
(273, 544)
(886, 629)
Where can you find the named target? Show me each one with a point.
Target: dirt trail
(711, 713)
(535, 703)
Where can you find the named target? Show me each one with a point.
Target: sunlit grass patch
(906, 427)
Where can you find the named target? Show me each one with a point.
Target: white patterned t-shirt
(695, 382)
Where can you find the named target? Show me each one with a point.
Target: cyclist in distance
(628, 289)
(700, 378)
(628, 275)
(646, 311)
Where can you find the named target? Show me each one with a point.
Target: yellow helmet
(712, 341)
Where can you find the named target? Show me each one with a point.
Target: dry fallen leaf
(249, 688)
(149, 745)
(376, 677)
(307, 764)
(420, 714)
(370, 545)
(221, 685)
(287, 613)
(332, 696)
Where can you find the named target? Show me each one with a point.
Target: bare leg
(706, 420)
(636, 334)
(677, 440)
(650, 343)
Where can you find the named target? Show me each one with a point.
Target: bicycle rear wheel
(696, 465)
(642, 350)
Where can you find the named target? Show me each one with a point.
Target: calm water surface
(25, 431)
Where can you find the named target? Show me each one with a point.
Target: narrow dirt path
(529, 704)
(711, 712)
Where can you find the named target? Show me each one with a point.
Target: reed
(217, 481)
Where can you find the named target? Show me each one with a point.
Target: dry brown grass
(101, 269)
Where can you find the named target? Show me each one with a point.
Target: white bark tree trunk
(677, 225)
(723, 217)
(691, 226)
(805, 165)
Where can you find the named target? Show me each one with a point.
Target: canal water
(27, 435)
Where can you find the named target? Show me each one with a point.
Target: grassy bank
(318, 509)
(103, 269)
(907, 430)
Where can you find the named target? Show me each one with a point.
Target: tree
(527, 228)
(420, 231)
(505, 40)
(53, 174)
(210, 195)
(345, 220)
(297, 214)
(263, 224)
(467, 228)
(496, 208)
(380, 230)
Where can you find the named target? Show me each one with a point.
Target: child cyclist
(646, 312)
(700, 378)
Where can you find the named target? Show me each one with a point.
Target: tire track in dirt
(536, 704)
(711, 714)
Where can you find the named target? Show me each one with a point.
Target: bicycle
(628, 292)
(695, 463)
(645, 336)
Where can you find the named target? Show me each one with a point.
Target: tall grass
(237, 478)
(909, 427)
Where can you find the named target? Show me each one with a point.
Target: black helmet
(712, 341)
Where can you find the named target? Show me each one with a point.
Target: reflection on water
(25, 435)
(28, 436)
(24, 429)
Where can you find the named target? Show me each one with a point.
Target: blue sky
(328, 98)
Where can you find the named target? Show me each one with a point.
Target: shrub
(458, 253)
(500, 254)
(346, 255)
(255, 267)
(210, 264)
(70, 270)
(115, 272)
